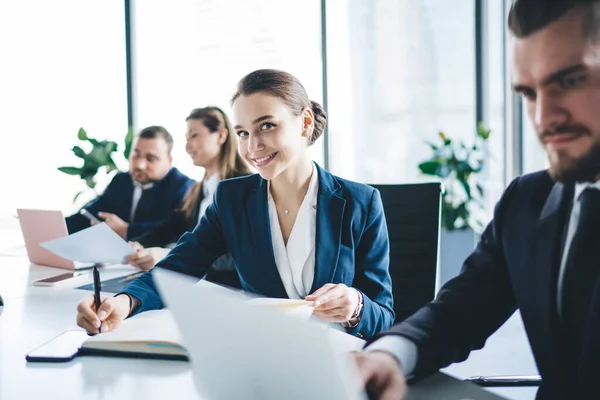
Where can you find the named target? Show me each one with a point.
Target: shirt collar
(143, 186)
(580, 187)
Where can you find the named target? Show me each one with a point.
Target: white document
(300, 308)
(241, 351)
(96, 244)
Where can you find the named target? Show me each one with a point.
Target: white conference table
(34, 315)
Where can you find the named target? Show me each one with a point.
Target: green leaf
(90, 182)
(467, 188)
(77, 195)
(463, 167)
(94, 142)
(447, 141)
(70, 170)
(101, 153)
(128, 143)
(434, 147)
(78, 151)
(111, 165)
(89, 169)
(110, 146)
(482, 132)
(480, 189)
(82, 134)
(430, 167)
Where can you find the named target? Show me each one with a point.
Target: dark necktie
(581, 273)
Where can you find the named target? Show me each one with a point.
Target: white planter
(455, 247)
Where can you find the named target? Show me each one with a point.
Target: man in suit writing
(141, 199)
(540, 252)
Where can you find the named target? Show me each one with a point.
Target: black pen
(97, 287)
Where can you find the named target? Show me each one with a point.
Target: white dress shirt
(209, 186)
(138, 188)
(296, 260)
(405, 350)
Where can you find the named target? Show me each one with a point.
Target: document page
(96, 244)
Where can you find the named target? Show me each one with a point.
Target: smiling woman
(294, 230)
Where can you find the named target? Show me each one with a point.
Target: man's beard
(567, 169)
(142, 177)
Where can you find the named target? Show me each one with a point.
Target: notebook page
(149, 327)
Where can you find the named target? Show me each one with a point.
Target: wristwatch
(355, 318)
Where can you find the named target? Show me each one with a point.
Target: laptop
(242, 351)
(40, 226)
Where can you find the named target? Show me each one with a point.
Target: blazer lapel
(330, 212)
(544, 263)
(262, 242)
(127, 193)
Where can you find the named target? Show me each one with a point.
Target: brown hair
(155, 131)
(231, 164)
(529, 16)
(289, 89)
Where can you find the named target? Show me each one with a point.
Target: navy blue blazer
(352, 245)
(515, 265)
(155, 205)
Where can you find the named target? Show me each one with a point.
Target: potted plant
(457, 166)
(98, 158)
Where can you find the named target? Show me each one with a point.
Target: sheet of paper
(299, 308)
(150, 326)
(267, 354)
(96, 244)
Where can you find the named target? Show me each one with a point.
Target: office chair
(412, 212)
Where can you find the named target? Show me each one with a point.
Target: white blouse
(296, 261)
(209, 186)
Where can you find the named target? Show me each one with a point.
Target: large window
(192, 53)
(400, 71)
(63, 68)
(495, 84)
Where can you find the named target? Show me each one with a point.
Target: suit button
(359, 335)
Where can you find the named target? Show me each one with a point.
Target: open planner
(152, 334)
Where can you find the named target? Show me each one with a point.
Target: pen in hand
(97, 287)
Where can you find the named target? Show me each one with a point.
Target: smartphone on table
(58, 279)
(62, 348)
(89, 215)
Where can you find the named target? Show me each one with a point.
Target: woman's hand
(334, 303)
(145, 259)
(112, 311)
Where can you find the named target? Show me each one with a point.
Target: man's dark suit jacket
(351, 246)
(515, 265)
(155, 205)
